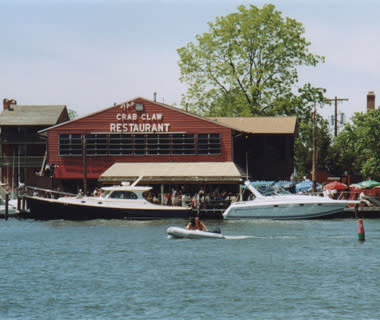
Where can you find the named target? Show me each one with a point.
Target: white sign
(145, 122)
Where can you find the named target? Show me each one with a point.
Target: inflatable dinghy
(177, 232)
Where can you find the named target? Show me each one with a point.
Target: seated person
(191, 225)
(200, 225)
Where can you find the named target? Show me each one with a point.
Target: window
(120, 144)
(158, 144)
(140, 144)
(70, 145)
(123, 195)
(209, 143)
(96, 144)
(183, 144)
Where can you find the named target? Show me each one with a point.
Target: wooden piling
(6, 206)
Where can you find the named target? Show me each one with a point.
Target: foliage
(246, 65)
(357, 147)
(72, 114)
(303, 146)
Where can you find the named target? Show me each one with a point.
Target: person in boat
(196, 224)
(191, 225)
(200, 225)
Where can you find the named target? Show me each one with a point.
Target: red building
(22, 149)
(148, 134)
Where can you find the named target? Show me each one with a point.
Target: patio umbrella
(335, 185)
(307, 186)
(369, 184)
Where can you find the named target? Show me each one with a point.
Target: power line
(336, 112)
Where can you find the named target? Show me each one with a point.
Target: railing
(21, 161)
(45, 193)
(14, 139)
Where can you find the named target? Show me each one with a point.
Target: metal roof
(259, 125)
(31, 115)
(194, 172)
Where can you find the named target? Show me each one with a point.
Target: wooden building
(22, 149)
(167, 145)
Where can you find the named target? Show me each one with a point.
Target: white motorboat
(176, 232)
(124, 201)
(280, 204)
(12, 207)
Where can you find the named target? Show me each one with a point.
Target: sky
(89, 55)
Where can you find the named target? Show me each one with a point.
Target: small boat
(176, 232)
(12, 207)
(123, 201)
(283, 205)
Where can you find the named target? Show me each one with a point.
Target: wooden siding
(71, 167)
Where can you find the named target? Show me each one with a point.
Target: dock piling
(6, 206)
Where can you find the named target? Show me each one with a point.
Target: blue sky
(90, 54)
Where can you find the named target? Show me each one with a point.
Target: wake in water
(225, 238)
(240, 237)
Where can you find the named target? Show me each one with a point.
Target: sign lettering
(133, 122)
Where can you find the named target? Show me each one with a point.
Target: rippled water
(131, 270)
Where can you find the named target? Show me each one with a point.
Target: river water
(131, 270)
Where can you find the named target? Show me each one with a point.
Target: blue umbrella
(307, 186)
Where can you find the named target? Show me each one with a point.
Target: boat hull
(291, 211)
(182, 233)
(50, 209)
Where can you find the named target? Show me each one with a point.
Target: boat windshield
(105, 194)
(272, 190)
(123, 195)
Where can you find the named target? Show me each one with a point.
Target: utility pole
(84, 158)
(314, 150)
(336, 112)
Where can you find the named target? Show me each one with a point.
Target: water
(131, 270)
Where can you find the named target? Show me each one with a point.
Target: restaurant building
(167, 146)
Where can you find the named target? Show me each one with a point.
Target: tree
(303, 146)
(357, 147)
(72, 114)
(246, 65)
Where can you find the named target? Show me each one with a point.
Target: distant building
(22, 149)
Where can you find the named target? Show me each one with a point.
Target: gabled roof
(32, 115)
(255, 125)
(259, 125)
(128, 101)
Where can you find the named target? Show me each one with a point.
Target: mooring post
(18, 203)
(6, 206)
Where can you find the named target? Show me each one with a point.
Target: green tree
(357, 147)
(303, 146)
(246, 65)
(72, 114)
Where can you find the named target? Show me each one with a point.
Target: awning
(177, 172)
